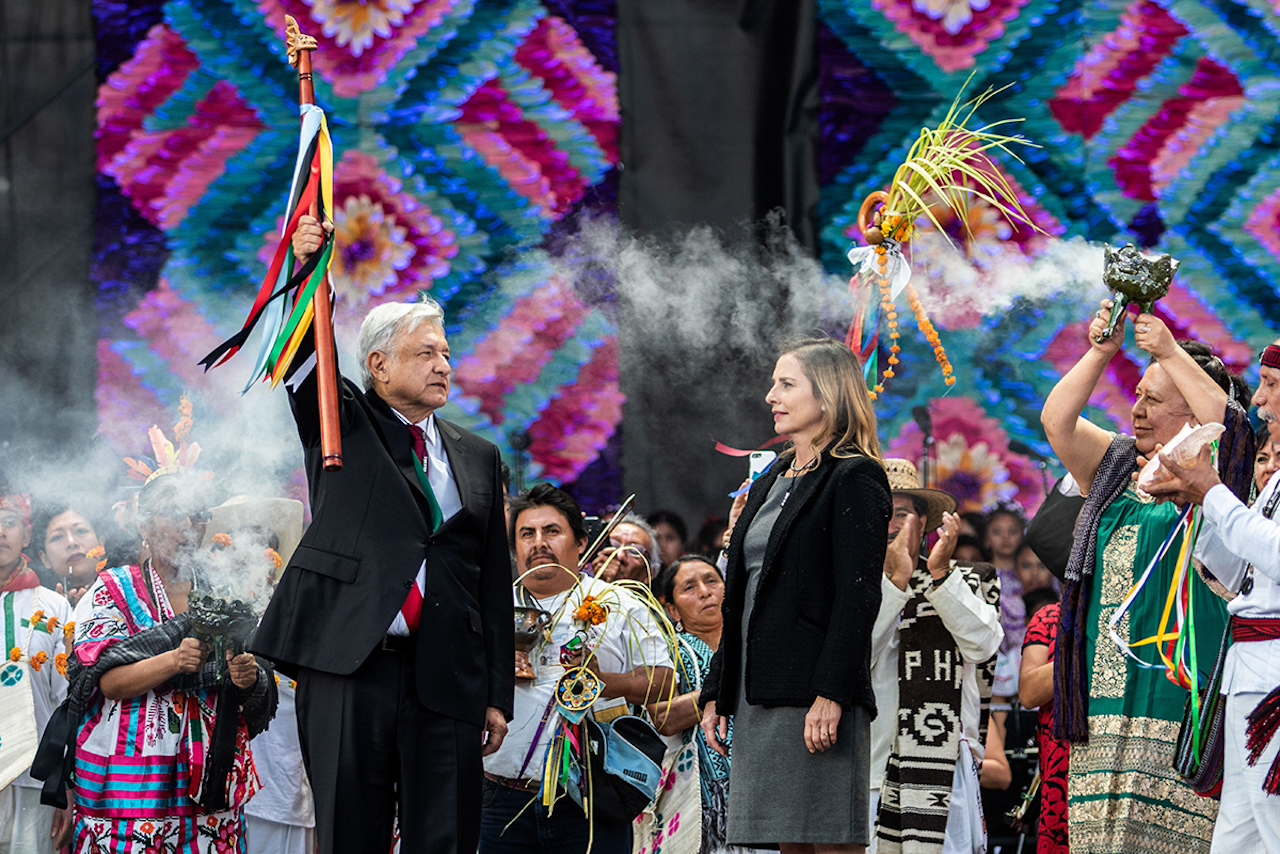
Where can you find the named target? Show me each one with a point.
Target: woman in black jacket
(802, 591)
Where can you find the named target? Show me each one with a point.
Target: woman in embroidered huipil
(153, 770)
(1123, 793)
(692, 591)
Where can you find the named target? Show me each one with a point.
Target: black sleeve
(495, 590)
(860, 525)
(258, 702)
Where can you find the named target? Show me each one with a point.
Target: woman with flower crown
(33, 620)
(157, 764)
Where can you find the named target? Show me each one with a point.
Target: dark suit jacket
(819, 591)
(369, 534)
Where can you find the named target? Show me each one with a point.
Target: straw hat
(283, 516)
(904, 480)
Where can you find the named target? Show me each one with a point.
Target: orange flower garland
(930, 334)
(894, 228)
(60, 662)
(38, 660)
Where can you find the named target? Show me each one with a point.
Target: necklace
(804, 467)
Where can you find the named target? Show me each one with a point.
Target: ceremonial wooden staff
(299, 48)
(292, 302)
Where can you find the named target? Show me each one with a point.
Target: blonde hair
(848, 419)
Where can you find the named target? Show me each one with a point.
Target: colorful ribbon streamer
(284, 301)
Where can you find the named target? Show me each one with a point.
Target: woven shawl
(55, 760)
(1070, 670)
(916, 794)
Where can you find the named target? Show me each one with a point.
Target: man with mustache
(1240, 546)
(394, 613)
(629, 656)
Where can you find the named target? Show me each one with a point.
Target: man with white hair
(1240, 547)
(394, 614)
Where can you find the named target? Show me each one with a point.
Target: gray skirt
(780, 792)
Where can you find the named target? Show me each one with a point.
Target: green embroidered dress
(1124, 795)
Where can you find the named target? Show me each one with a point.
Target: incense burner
(530, 623)
(225, 624)
(1133, 278)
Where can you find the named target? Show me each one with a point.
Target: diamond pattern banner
(471, 135)
(1157, 123)
(464, 132)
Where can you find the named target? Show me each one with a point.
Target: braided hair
(1235, 387)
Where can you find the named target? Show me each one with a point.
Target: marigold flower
(99, 554)
(69, 629)
(60, 662)
(223, 540)
(37, 617)
(15, 654)
(38, 660)
(274, 557)
(591, 611)
(182, 429)
(52, 624)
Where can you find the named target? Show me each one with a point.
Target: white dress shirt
(440, 476)
(974, 626)
(1233, 537)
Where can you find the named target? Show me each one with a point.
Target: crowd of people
(836, 664)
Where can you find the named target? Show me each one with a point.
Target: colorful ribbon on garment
(284, 300)
(1176, 602)
(1176, 647)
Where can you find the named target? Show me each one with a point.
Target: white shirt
(285, 796)
(440, 476)
(627, 639)
(48, 687)
(1232, 537)
(975, 627)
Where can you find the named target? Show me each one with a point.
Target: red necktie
(420, 447)
(411, 610)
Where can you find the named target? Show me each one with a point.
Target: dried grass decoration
(950, 167)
